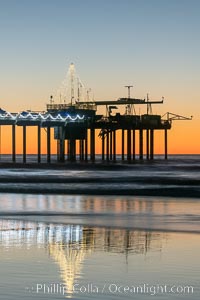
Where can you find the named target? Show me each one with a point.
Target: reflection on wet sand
(69, 245)
(120, 212)
(84, 204)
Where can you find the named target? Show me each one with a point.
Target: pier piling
(129, 144)
(133, 139)
(39, 143)
(92, 144)
(122, 144)
(24, 144)
(141, 144)
(13, 143)
(111, 145)
(103, 146)
(62, 144)
(86, 146)
(114, 145)
(166, 146)
(107, 145)
(147, 144)
(151, 144)
(48, 144)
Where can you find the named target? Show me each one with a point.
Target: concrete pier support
(68, 149)
(86, 146)
(24, 144)
(13, 143)
(92, 144)
(141, 144)
(74, 150)
(72, 154)
(107, 146)
(133, 145)
(39, 143)
(111, 145)
(62, 144)
(122, 144)
(81, 150)
(103, 146)
(58, 150)
(147, 144)
(166, 145)
(129, 144)
(114, 145)
(48, 144)
(151, 144)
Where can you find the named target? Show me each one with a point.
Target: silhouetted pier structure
(77, 128)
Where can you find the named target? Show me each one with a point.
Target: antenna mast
(72, 81)
(129, 90)
(129, 107)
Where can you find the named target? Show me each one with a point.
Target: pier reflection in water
(96, 204)
(81, 204)
(70, 245)
(78, 255)
(48, 239)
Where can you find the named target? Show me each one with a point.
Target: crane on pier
(174, 117)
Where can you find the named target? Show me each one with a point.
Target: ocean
(179, 176)
(112, 231)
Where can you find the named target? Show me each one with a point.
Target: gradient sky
(152, 44)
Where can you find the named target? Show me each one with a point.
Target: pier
(78, 127)
(75, 129)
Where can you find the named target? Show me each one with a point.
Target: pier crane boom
(174, 117)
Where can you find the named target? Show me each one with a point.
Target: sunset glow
(159, 56)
